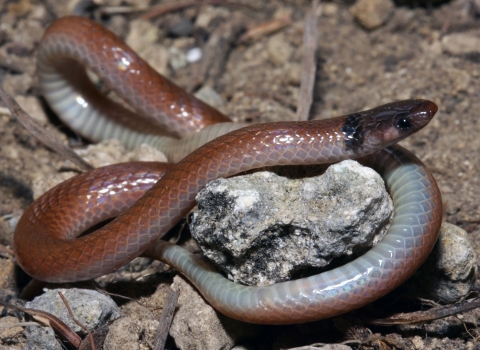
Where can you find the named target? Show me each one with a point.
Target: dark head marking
(352, 129)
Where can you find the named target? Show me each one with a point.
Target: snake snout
(395, 121)
(421, 113)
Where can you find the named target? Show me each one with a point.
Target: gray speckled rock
(41, 338)
(264, 228)
(89, 307)
(449, 273)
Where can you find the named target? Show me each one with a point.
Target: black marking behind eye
(353, 131)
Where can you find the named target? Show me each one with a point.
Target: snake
(146, 199)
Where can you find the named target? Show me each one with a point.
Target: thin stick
(45, 136)
(162, 9)
(265, 29)
(166, 319)
(51, 321)
(216, 52)
(427, 315)
(18, 324)
(81, 325)
(309, 67)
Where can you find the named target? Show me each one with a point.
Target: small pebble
(210, 96)
(449, 272)
(177, 58)
(194, 55)
(372, 14)
(460, 43)
(279, 50)
(181, 28)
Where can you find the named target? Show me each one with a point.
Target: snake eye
(403, 123)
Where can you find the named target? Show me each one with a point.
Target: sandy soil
(412, 55)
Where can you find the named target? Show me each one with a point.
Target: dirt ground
(430, 52)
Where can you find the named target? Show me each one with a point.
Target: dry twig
(81, 325)
(99, 335)
(50, 320)
(162, 9)
(166, 319)
(264, 29)
(216, 52)
(427, 315)
(309, 67)
(45, 136)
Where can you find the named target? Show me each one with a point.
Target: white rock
(449, 273)
(264, 228)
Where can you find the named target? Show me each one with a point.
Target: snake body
(150, 198)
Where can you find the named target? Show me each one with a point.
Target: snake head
(387, 124)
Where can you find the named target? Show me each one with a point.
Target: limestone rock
(264, 228)
(449, 273)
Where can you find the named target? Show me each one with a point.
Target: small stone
(104, 153)
(283, 13)
(208, 14)
(372, 14)
(194, 55)
(7, 333)
(42, 184)
(157, 56)
(143, 38)
(461, 80)
(181, 28)
(263, 228)
(128, 333)
(41, 338)
(7, 274)
(330, 9)
(177, 58)
(142, 33)
(449, 273)
(20, 8)
(89, 307)
(28, 34)
(17, 84)
(279, 50)
(210, 96)
(119, 25)
(146, 153)
(460, 43)
(16, 64)
(294, 73)
(197, 326)
(112, 151)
